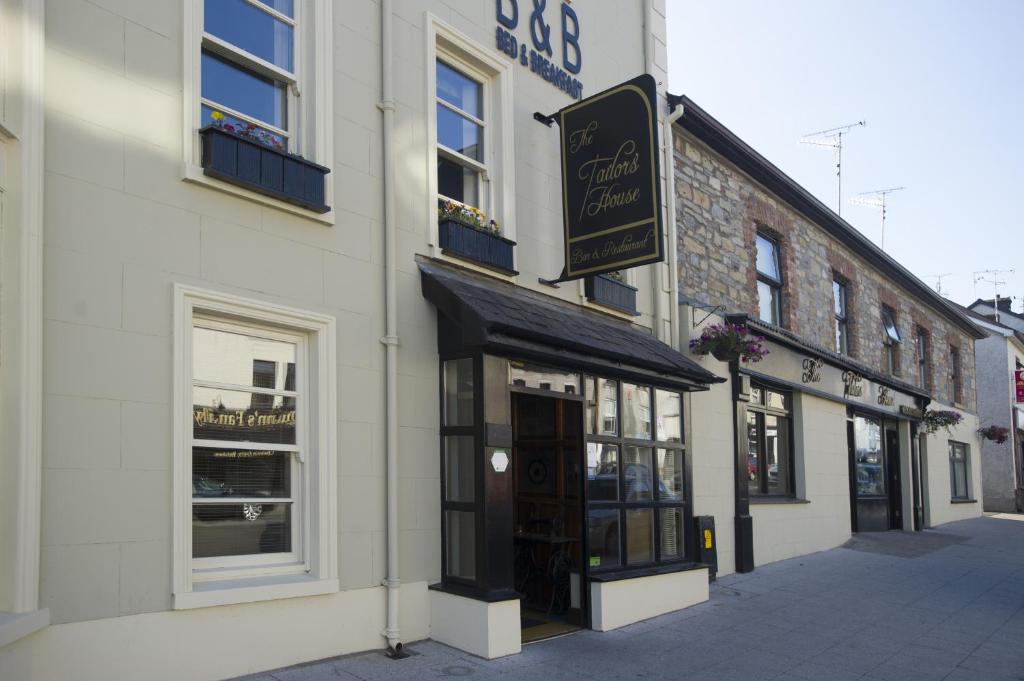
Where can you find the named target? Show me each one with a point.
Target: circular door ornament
(537, 472)
(252, 511)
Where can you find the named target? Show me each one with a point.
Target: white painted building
(221, 382)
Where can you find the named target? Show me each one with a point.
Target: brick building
(859, 348)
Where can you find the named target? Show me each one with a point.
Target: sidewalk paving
(946, 604)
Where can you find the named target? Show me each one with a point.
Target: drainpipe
(649, 36)
(675, 112)
(654, 268)
(390, 339)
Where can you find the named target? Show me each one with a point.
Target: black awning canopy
(498, 317)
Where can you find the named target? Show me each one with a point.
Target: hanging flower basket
(997, 434)
(727, 342)
(940, 418)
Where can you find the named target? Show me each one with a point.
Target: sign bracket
(542, 118)
(560, 279)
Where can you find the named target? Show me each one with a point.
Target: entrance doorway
(875, 478)
(548, 514)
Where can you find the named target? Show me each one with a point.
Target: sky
(940, 85)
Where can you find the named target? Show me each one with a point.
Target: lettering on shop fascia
(811, 370)
(538, 59)
(885, 396)
(853, 385)
(912, 412)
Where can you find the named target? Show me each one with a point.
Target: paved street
(945, 604)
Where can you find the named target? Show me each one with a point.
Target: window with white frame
(263, 68)
(248, 67)
(248, 425)
(470, 129)
(462, 173)
(254, 454)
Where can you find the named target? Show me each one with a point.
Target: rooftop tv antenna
(938, 280)
(833, 139)
(876, 199)
(992, 277)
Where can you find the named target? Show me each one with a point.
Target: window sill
(963, 501)
(650, 571)
(15, 626)
(778, 501)
(231, 592)
(194, 174)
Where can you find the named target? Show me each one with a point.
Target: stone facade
(720, 210)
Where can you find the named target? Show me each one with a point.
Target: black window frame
(892, 339)
(773, 283)
(955, 377)
(761, 410)
(476, 506)
(841, 313)
(924, 362)
(684, 503)
(953, 465)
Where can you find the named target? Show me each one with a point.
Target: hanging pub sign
(611, 197)
(1018, 384)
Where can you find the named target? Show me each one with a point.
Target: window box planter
(489, 250)
(611, 293)
(254, 166)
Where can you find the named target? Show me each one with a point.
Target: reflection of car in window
(202, 486)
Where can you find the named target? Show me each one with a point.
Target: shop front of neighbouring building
(566, 480)
(826, 421)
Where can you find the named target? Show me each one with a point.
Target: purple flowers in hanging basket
(940, 418)
(728, 342)
(997, 434)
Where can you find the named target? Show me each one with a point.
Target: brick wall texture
(719, 211)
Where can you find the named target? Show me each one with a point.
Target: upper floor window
(954, 383)
(248, 69)
(924, 369)
(470, 146)
(839, 306)
(260, 73)
(462, 172)
(769, 448)
(891, 340)
(769, 280)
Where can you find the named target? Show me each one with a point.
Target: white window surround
(313, 114)
(317, 573)
(460, 51)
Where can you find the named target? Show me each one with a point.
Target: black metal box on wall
(241, 161)
(707, 543)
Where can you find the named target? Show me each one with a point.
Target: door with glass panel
(875, 482)
(548, 512)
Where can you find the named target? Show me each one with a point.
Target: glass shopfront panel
(602, 472)
(869, 458)
(636, 475)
